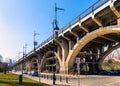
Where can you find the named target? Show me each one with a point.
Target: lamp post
(55, 35)
(23, 59)
(39, 56)
(24, 53)
(20, 76)
(35, 42)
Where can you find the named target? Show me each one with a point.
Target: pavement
(47, 81)
(85, 80)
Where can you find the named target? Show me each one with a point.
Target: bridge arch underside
(50, 63)
(91, 48)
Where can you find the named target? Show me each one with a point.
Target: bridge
(91, 36)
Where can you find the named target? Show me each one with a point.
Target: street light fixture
(55, 35)
(22, 60)
(35, 42)
(24, 53)
(20, 76)
(39, 58)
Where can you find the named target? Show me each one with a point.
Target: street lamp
(55, 35)
(39, 57)
(22, 60)
(20, 76)
(24, 53)
(35, 42)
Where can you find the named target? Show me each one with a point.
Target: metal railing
(84, 14)
(77, 19)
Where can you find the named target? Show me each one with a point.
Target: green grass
(11, 79)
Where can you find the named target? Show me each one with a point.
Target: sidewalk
(47, 81)
(85, 80)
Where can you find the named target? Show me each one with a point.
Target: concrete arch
(34, 60)
(106, 53)
(86, 39)
(32, 65)
(47, 54)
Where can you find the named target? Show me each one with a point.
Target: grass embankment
(11, 79)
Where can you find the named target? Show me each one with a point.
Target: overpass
(91, 36)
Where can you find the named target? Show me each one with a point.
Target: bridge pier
(63, 68)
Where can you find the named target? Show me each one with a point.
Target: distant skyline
(20, 18)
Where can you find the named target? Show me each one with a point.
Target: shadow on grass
(6, 83)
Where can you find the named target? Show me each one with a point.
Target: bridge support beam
(115, 12)
(83, 28)
(96, 21)
(77, 37)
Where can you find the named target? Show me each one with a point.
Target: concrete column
(63, 68)
(28, 66)
(118, 22)
(71, 44)
(89, 60)
(70, 47)
(101, 50)
(65, 50)
(39, 60)
(59, 52)
(94, 60)
(20, 67)
(78, 39)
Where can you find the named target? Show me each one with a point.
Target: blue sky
(20, 18)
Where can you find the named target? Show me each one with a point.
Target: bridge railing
(77, 19)
(85, 13)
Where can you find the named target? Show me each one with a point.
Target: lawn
(11, 79)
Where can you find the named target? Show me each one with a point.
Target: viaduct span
(91, 36)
